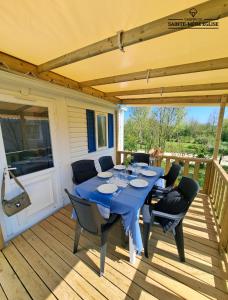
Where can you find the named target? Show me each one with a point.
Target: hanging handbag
(17, 203)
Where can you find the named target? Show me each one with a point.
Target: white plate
(148, 173)
(107, 188)
(141, 164)
(139, 183)
(104, 174)
(119, 167)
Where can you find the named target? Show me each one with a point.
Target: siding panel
(77, 133)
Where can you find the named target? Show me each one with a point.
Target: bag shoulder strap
(17, 181)
(3, 188)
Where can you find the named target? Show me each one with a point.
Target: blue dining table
(126, 202)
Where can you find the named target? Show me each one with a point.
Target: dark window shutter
(91, 133)
(110, 131)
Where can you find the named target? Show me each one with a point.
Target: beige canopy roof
(38, 31)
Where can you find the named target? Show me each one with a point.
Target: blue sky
(200, 114)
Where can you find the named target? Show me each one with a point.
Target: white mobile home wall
(67, 117)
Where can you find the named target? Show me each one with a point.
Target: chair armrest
(162, 189)
(158, 188)
(157, 192)
(157, 196)
(168, 216)
(160, 193)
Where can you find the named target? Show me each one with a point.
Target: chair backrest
(87, 213)
(188, 188)
(172, 175)
(141, 157)
(83, 170)
(106, 163)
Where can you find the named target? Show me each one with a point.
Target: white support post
(120, 130)
(120, 143)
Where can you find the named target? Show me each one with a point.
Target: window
(101, 130)
(26, 137)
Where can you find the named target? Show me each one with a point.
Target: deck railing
(218, 193)
(213, 181)
(198, 168)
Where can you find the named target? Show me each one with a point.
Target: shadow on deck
(39, 263)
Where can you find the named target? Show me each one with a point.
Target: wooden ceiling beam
(172, 101)
(201, 66)
(172, 89)
(12, 64)
(212, 10)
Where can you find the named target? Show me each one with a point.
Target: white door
(27, 143)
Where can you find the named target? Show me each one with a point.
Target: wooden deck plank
(10, 283)
(112, 264)
(180, 289)
(54, 282)
(191, 246)
(169, 249)
(77, 282)
(41, 265)
(108, 289)
(185, 276)
(34, 285)
(191, 240)
(180, 274)
(218, 281)
(2, 294)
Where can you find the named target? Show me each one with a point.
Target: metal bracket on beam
(161, 92)
(147, 76)
(120, 40)
(31, 74)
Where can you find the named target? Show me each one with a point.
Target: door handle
(9, 169)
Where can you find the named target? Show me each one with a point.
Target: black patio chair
(106, 163)
(83, 170)
(170, 179)
(90, 219)
(188, 189)
(172, 175)
(141, 157)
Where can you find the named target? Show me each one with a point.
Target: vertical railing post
(224, 223)
(186, 168)
(211, 178)
(196, 170)
(167, 165)
(208, 174)
(218, 193)
(219, 126)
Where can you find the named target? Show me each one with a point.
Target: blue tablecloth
(126, 202)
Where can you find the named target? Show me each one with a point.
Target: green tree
(225, 130)
(168, 119)
(148, 128)
(138, 129)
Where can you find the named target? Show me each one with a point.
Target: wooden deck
(39, 263)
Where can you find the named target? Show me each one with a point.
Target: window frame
(50, 125)
(99, 113)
